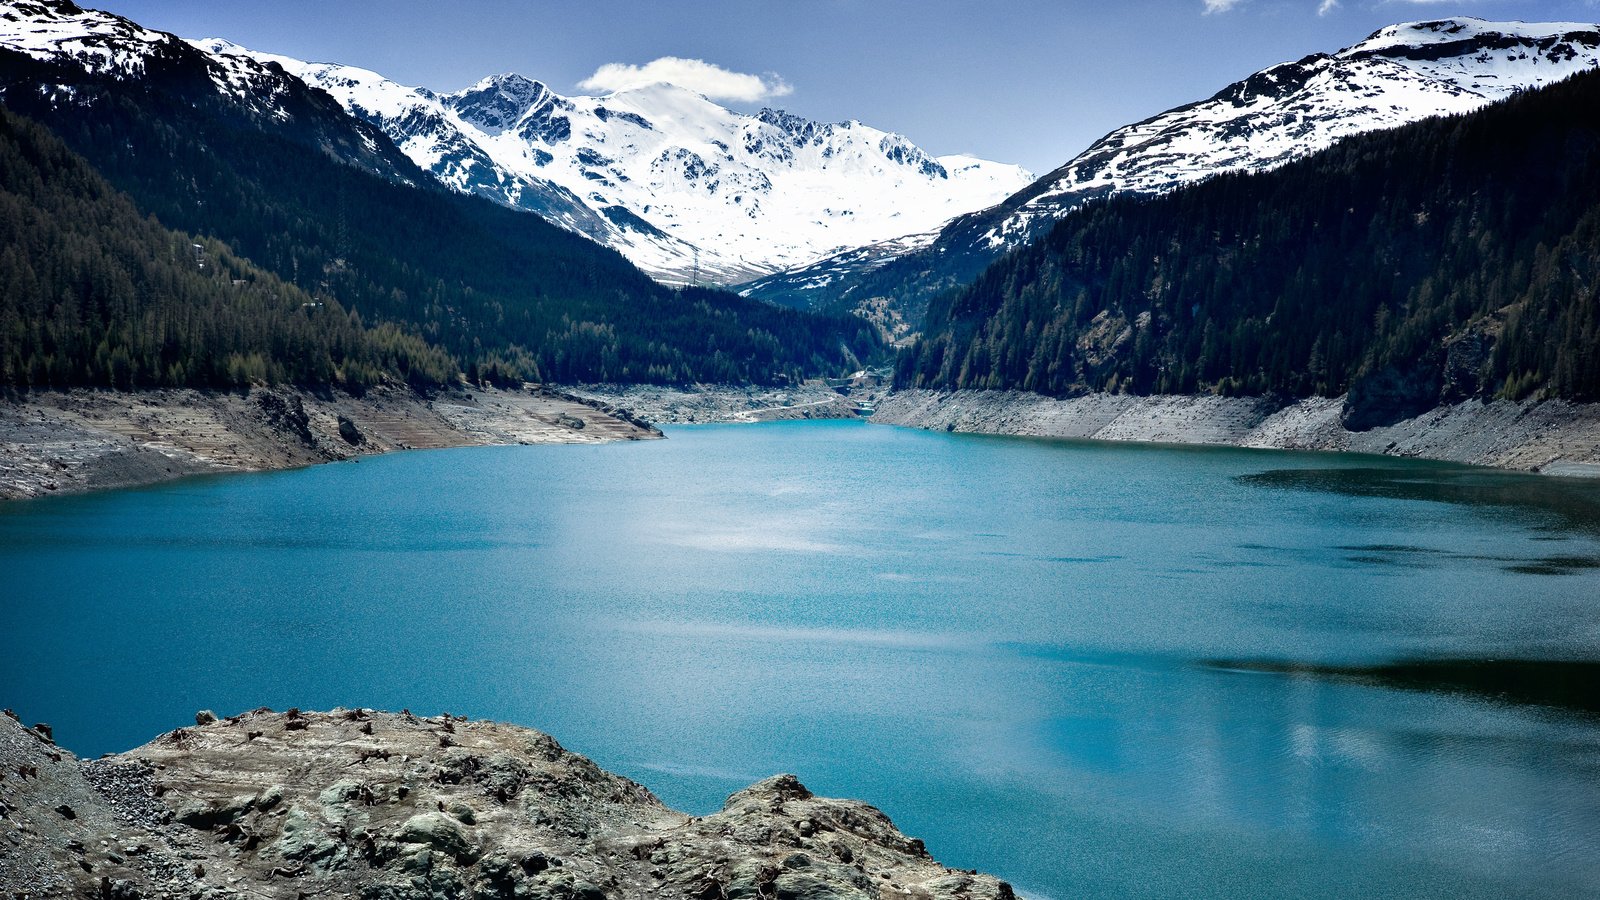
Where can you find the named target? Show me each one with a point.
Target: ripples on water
(1097, 670)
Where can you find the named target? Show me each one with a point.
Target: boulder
(438, 831)
(351, 434)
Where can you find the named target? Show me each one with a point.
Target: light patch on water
(1344, 746)
(912, 578)
(751, 540)
(792, 635)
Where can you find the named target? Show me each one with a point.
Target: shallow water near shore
(1096, 670)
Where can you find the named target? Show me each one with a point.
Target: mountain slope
(93, 293)
(1398, 75)
(662, 174)
(324, 200)
(112, 49)
(1449, 259)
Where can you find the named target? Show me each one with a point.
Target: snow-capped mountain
(675, 182)
(663, 174)
(1398, 75)
(70, 43)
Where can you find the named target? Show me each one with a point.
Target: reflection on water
(1565, 684)
(1557, 504)
(1554, 505)
(1009, 645)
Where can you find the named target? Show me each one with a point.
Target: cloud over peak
(697, 75)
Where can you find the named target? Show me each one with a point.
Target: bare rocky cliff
(383, 806)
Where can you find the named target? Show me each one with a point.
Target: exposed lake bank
(722, 403)
(1553, 437)
(80, 440)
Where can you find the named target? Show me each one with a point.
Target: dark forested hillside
(1452, 258)
(93, 293)
(507, 294)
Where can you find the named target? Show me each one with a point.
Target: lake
(1095, 670)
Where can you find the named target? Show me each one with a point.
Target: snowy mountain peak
(57, 29)
(805, 129)
(1410, 38)
(1398, 75)
(677, 183)
(498, 102)
(661, 91)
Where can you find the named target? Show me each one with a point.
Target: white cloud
(695, 74)
(1327, 6)
(1220, 6)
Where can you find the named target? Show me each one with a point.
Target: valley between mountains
(396, 247)
(1089, 668)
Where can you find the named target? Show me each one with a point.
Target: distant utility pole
(694, 279)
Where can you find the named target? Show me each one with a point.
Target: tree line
(504, 294)
(94, 293)
(1449, 258)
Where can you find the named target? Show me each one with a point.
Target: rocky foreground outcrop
(382, 806)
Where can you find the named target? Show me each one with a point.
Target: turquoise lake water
(1095, 670)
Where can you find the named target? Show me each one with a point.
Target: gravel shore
(1554, 437)
(703, 404)
(69, 441)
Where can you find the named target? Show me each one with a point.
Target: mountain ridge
(326, 201)
(662, 173)
(1399, 74)
(1476, 238)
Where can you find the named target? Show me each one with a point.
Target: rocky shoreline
(721, 403)
(59, 442)
(72, 441)
(54, 442)
(1552, 437)
(382, 806)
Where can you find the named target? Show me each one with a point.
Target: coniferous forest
(505, 295)
(1478, 241)
(94, 293)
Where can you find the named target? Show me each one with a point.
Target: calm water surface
(1095, 670)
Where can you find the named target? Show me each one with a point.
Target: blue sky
(1025, 81)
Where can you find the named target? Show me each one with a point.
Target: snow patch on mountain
(99, 42)
(104, 44)
(1398, 75)
(682, 186)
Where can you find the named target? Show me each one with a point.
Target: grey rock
(439, 831)
(208, 814)
(362, 804)
(351, 434)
